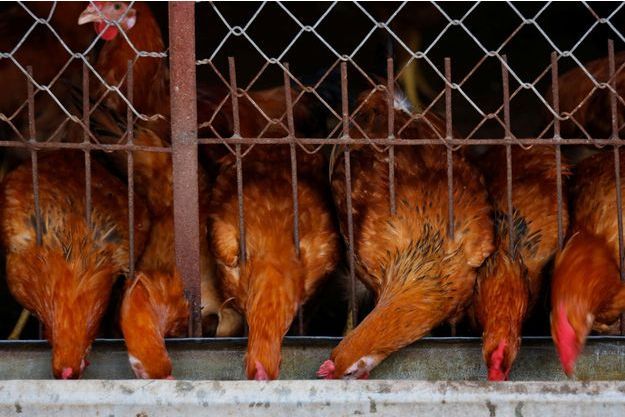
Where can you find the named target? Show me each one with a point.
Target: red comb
(496, 374)
(261, 374)
(497, 355)
(496, 358)
(66, 373)
(566, 340)
(326, 370)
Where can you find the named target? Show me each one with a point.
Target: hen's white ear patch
(137, 367)
(131, 19)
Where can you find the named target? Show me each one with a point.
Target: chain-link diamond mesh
(500, 73)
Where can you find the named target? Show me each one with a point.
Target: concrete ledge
(391, 398)
(454, 359)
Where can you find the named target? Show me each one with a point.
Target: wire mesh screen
(213, 82)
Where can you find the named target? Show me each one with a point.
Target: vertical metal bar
(348, 195)
(619, 207)
(448, 97)
(556, 135)
(239, 161)
(291, 126)
(390, 85)
(505, 80)
(612, 70)
(617, 167)
(235, 98)
(450, 162)
(506, 97)
(294, 191)
(236, 133)
(185, 154)
(85, 139)
(131, 172)
(32, 133)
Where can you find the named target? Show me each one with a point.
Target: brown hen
(421, 277)
(272, 282)
(510, 281)
(586, 292)
(150, 74)
(66, 282)
(154, 182)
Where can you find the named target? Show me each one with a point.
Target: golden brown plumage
(67, 281)
(273, 282)
(510, 281)
(420, 276)
(154, 307)
(586, 291)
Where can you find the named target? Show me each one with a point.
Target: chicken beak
(90, 14)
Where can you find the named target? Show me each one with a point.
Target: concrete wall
(433, 378)
(309, 398)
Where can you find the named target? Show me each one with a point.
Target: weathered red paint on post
(185, 154)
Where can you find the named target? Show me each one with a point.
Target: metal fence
(493, 116)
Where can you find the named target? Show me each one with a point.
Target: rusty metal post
(34, 161)
(617, 166)
(555, 88)
(85, 139)
(353, 306)
(390, 85)
(450, 162)
(294, 183)
(505, 83)
(130, 164)
(185, 154)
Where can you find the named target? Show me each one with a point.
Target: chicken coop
(422, 200)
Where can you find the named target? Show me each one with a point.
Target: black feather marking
(522, 239)
(421, 259)
(113, 237)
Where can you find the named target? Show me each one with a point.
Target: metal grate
(494, 124)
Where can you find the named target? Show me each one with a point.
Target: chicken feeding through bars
(202, 142)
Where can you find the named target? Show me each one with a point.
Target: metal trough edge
(309, 398)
